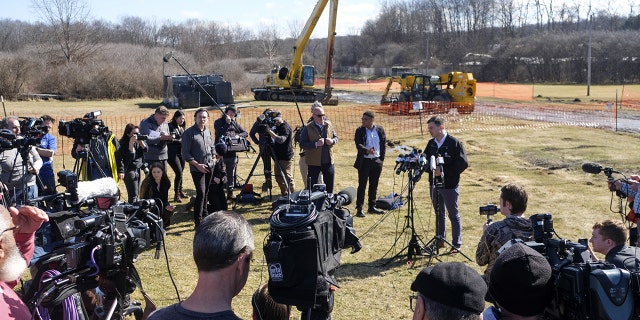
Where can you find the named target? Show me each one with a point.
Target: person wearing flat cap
(520, 284)
(448, 291)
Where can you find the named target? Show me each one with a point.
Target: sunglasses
(319, 115)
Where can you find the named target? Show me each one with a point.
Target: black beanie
(520, 281)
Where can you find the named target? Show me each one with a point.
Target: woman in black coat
(174, 147)
(156, 186)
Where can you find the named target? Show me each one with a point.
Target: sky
(250, 14)
(254, 14)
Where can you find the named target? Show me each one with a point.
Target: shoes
(190, 204)
(374, 210)
(440, 244)
(359, 213)
(454, 250)
(182, 194)
(177, 198)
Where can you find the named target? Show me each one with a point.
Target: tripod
(414, 247)
(87, 159)
(266, 154)
(437, 242)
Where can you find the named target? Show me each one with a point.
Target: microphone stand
(437, 241)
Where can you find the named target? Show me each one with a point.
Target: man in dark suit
(370, 140)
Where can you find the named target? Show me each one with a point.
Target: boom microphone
(167, 56)
(103, 187)
(348, 193)
(590, 167)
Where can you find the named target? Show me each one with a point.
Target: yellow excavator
(435, 93)
(296, 83)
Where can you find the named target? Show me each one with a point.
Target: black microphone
(590, 167)
(167, 56)
(348, 193)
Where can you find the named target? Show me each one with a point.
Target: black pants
(177, 165)
(328, 174)
(201, 182)
(369, 170)
(217, 198)
(132, 182)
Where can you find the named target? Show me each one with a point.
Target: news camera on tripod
(94, 147)
(19, 159)
(276, 142)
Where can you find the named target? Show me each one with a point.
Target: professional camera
(83, 129)
(93, 247)
(583, 289)
(266, 120)
(142, 137)
(308, 231)
(31, 132)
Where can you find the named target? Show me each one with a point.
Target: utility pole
(589, 56)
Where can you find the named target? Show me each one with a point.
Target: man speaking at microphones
(446, 154)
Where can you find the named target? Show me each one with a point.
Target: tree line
(67, 53)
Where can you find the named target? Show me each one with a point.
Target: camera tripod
(266, 154)
(86, 158)
(437, 242)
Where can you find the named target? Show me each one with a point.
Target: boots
(359, 212)
(177, 198)
(182, 194)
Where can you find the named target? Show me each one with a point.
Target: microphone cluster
(411, 161)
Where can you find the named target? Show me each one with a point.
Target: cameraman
(226, 125)
(259, 136)
(513, 204)
(17, 228)
(129, 157)
(99, 154)
(281, 134)
(608, 238)
(630, 189)
(11, 164)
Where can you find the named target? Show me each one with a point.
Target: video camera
(88, 247)
(31, 131)
(583, 289)
(308, 231)
(83, 129)
(266, 120)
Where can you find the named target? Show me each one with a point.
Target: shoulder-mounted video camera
(308, 231)
(266, 120)
(583, 289)
(83, 129)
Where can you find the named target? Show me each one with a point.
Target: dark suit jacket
(361, 142)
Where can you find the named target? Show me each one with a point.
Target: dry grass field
(545, 158)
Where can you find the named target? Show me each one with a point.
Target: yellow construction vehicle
(296, 83)
(437, 94)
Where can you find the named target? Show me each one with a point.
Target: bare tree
(71, 32)
(268, 36)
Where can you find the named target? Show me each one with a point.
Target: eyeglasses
(413, 300)
(9, 229)
(365, 118)
(319, 115)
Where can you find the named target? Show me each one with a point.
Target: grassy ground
(545, 159)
